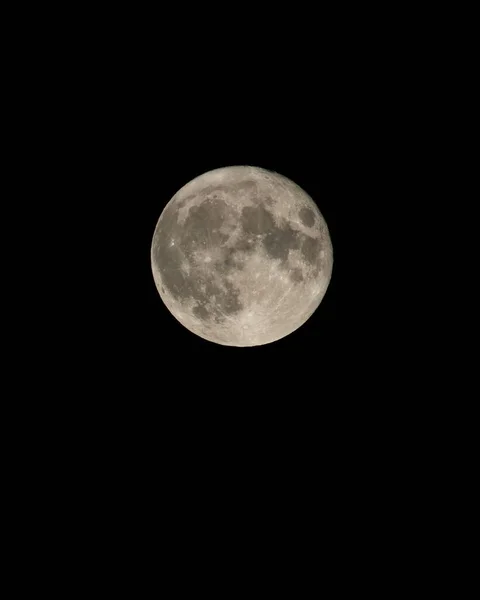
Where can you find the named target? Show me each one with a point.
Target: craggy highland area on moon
(241, 256)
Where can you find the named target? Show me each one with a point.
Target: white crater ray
(241, 256)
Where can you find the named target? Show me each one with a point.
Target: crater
(307, 217)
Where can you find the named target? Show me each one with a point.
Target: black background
(139, 111)
(331, 116)
(170, 412)
(145, 425)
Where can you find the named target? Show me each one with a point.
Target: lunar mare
(241, 256)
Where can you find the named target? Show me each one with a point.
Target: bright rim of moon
(241, 256)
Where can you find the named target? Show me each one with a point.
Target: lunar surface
(241, 256)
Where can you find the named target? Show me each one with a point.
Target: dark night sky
(148, 124)
(168, 406)
(139, 406)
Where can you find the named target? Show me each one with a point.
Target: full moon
(241, 256)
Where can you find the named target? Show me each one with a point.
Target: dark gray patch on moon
(280, 241)
(296, 275)
(201, 312)
(232, 261)
(245, 244)
(209, 189)
(211, 289)
(256, 220)
(167, 256)
(311, 249)
(202, 224)
(173, 278)
(229, 302)
(226, 303)
(277, 241)
(307, 217)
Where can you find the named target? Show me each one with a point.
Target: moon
(241, 256)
